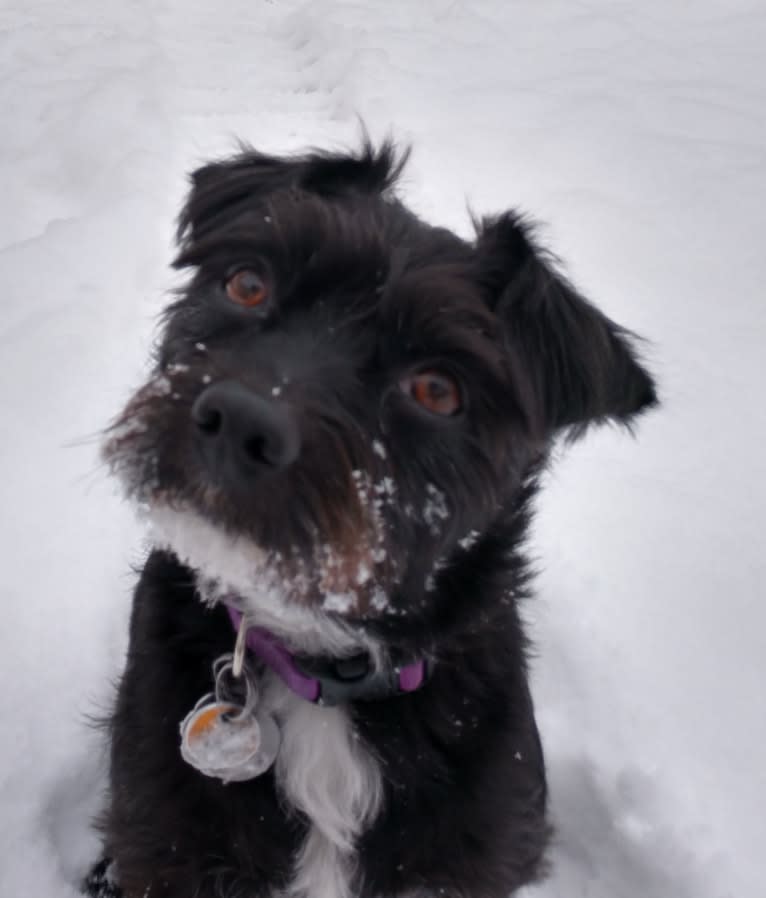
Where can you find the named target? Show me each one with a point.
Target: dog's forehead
(373, 238)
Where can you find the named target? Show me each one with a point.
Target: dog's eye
(247, 288)
(435, 391)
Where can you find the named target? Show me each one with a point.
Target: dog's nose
(241, 434)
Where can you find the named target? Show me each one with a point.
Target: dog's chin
(314, 607)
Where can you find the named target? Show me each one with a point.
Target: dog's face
(352, 395)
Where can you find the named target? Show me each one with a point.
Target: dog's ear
(581, 366)
(225, 188)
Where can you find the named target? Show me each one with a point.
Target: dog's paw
(100, 882)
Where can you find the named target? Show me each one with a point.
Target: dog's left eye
(247, 288)
(434, 390)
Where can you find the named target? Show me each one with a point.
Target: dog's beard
(235, 571)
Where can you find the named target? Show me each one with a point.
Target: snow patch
(469, 541)
(435, 509)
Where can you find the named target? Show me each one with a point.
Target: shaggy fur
(344, 515)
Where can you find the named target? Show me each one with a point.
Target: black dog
(348, 415)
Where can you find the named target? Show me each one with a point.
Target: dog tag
(223, 736)
(222, 740)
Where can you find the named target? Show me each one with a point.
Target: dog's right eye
(247, 288)
(436, 391)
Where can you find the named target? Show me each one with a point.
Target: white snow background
(637, 132)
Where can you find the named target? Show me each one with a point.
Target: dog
(337, 451)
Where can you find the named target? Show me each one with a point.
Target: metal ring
(221, 667)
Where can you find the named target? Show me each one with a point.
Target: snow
(435, 508)
(636, 132)
(469, 541)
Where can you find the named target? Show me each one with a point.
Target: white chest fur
(323, 770)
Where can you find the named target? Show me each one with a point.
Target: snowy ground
(637, 132)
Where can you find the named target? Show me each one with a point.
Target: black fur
(362, 294)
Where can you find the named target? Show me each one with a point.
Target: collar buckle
(354, 679)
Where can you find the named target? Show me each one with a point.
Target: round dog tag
(222, 740)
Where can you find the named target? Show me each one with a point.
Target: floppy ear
(225, 188)
(581, 366)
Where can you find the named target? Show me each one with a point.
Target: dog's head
(349, 396)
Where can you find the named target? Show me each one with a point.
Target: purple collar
(330, 682)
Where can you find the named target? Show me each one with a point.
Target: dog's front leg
(171, 831)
